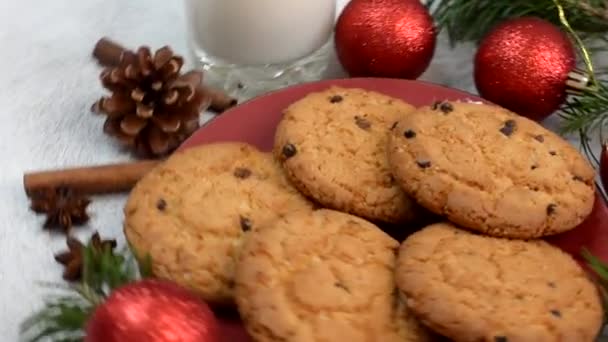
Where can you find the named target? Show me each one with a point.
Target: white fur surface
(48, 82)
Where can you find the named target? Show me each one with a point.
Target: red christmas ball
(153, 311)
(523, 65)
(385, 38)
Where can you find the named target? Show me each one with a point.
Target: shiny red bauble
(523, 65)
(152, 311)
(385, 38)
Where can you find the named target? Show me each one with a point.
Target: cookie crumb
(424, 164)
(539, 138)
(409, 134)
(551, 208)
(245, 224)
(556, 313)
(553, 153)
(446, 107)
(161, 205)
(501, 339)
(242, 173)
(289, 151)
(336, 99)
(508, 128)
(362, 123)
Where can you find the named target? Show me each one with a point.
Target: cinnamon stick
(90, 180)
(109, 54)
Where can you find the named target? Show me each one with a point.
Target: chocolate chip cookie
(322, 276)
(332, 145)
(490, 170)
(478, 288)
(191, 213)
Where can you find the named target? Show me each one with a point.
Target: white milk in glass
(252, 46)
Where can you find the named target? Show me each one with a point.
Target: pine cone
(152, 108)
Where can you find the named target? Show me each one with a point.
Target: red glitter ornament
(385, 38)
(152, 311)
(523, 65)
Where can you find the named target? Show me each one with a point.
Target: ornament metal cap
(578, 80)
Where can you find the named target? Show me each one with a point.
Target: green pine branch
(586, 114)
(470, 20)
(64, 316)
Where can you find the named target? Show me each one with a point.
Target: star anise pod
(64, 208)
(72, 259)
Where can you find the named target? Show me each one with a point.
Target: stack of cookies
(297, 239)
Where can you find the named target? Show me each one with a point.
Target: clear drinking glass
(248, 47)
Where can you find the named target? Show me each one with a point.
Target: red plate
(255, 121)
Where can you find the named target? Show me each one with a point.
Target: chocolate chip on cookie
(246, 224)
(556, 313)
(363, 123)
(553, 153)
(242, 173)
(409, 134)
(423, 164)
(539, 138)
(335, 99)
(394, 125)
(446, 107)
(501, 339)
(551, 208)
(161, 204)
(289, 150)
(340, 285)
(508, 128)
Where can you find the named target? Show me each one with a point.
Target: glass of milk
(249, 47)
